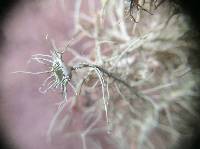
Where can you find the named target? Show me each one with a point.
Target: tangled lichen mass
(138, 70)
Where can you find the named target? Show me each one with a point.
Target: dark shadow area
(5, 7)
(191, 8)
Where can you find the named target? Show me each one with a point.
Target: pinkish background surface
(26, 113)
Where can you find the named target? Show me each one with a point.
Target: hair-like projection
(99, 74)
